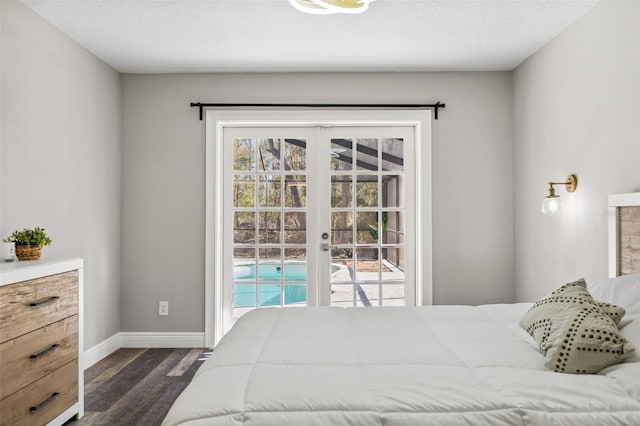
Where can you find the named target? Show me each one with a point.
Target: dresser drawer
(43, 400)
(29, 305)
(25, 359)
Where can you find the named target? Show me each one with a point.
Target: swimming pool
(270, 293)
(244, 295)
(270, 271)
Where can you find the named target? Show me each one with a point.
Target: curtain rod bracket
(201, 106)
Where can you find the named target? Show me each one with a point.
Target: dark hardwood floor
(137, 386)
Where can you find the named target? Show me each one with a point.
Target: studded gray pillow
(575, 333)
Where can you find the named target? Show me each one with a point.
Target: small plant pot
(28, 252)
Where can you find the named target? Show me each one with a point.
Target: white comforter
(434, 365)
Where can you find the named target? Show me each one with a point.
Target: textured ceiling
(162, 36)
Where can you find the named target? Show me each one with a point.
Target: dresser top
(22, 270)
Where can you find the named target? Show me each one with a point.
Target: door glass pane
(367, 191)
(244, 156)
(244, 191)
(341, 191)
(269, 155)
(244, 295)
(295, 228)
(295, 271)
(341, 154)
(244, 266)
(367, 227)
(269, 230)
(342, 265)
(269, 294)
(341, 228)
(269, 256)
(295, 295)
(295, 154)
(295, 254)
(392, 191)
(393, 227)
(269, 265)
(367, 264)
(367, 154)
(342, 295)
(392, 154)
(393, 295)
(295, 192)
(244, 227)
(393, 264)
(368, 295)
(269, 194)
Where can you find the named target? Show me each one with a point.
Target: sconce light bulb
(550, 205)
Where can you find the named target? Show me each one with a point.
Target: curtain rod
(435, 106)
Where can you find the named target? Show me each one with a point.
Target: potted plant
(29, 242)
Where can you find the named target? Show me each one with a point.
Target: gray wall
(164, 188)
(576, 110)
(61, 155)
(574, 107)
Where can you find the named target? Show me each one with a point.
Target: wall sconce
(551, 203)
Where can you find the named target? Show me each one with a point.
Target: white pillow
(622, 291)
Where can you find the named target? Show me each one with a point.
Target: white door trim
(215, 123)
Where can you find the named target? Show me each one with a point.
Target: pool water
(271, 271)
(244, 295)
(269, 294)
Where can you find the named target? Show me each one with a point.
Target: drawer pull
(43, 301)
(46, 351)
(45, 402)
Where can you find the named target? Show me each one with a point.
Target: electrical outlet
(163, 308)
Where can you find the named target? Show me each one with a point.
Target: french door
(317, 216)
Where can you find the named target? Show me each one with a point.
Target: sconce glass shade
(551, 205)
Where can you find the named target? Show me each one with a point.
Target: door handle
(326, 247)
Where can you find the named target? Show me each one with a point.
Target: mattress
(435, 365)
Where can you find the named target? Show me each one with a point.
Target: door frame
(215, 123)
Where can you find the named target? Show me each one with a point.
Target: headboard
(624, 234)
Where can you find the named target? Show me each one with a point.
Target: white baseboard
(101, 350)
(161, 340)
(141, 340)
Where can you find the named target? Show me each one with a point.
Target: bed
(435, 365)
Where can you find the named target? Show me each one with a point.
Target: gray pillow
(575, 333)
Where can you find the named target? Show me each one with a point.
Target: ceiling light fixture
(551, 203)
(328, 7)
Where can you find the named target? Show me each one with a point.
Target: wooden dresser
(41, 324)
